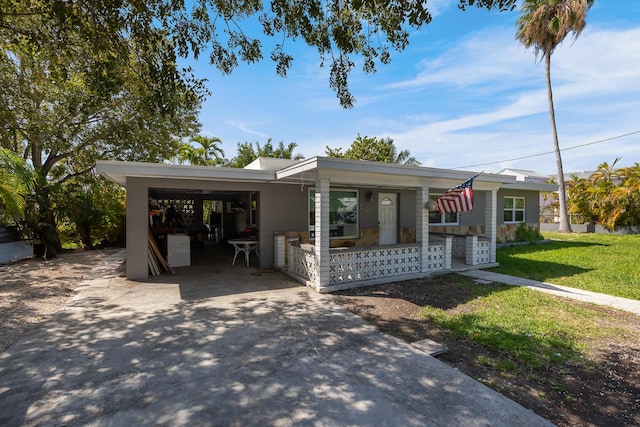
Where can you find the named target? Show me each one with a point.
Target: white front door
(388, 218)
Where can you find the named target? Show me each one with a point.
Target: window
(514, 209)
(343, 213)
(437, 218)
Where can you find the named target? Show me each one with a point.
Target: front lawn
(604, 263)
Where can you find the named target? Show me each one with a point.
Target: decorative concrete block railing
(350, 266)
(302, 262)
(473, 249)
(439, 253)
(371, 263)
(478, 251)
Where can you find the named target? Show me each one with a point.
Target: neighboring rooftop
(525, 175)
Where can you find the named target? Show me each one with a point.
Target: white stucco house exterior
(329, 223)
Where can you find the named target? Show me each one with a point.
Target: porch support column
(137, 229)
(322, 232)
(422, 226)
(490, 221)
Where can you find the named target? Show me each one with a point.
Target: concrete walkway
(241, 347)
(625, 304)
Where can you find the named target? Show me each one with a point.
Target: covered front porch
(411, 248)
(355, 267)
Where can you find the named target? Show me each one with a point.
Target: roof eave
(118, 172)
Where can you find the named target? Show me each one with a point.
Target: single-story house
(329, 223)
(527, 199)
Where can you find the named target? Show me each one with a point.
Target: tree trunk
(564, 226)
(46, 229)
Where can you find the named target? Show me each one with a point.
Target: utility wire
(549, 152)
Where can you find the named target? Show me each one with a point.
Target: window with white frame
(436, 218)
(343, 213)
(514, 209)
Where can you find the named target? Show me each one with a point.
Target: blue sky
(464, 93)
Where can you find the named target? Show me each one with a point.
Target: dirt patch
(32, 289)
(603, 391)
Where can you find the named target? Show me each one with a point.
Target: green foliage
(15, 182)
(609, 197)
(595, 262)
(63, 109)
(163, 29)
(544, 24)
(207, 154)
(374, 150)
(92, 211)
(527, 233)
(247, 153)
(101, 36)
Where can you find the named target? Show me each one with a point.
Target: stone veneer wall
(475, 230)
(368, 237)
(507, 232)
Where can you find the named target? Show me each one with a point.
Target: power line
(549, 152)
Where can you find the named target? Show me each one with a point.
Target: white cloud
(596, 84)
(245, 128)
(437, 7)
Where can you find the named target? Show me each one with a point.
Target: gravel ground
(32, 289)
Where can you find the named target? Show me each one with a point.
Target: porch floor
(211, 273)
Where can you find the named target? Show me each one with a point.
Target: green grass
(527, 327)
(604, 263)
(530, 329)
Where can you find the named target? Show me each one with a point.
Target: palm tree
(16, 181)
(403, 157)
(626, 197)
(544, 24)
(210, 152)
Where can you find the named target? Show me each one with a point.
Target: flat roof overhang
(338, 171)
(380, 174)
(119, 171)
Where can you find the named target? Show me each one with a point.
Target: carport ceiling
(161, 193)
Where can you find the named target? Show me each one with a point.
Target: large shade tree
(339, 30)
(60, 116)
(543, 25)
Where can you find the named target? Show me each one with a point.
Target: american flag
(458, 199)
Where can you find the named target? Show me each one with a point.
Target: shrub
(526, 233)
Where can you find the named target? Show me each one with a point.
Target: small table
(246, 246)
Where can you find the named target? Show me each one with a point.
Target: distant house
(329, 223)
(523, 175)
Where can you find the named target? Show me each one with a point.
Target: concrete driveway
(238, 348)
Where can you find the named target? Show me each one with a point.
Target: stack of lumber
(157, 264)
